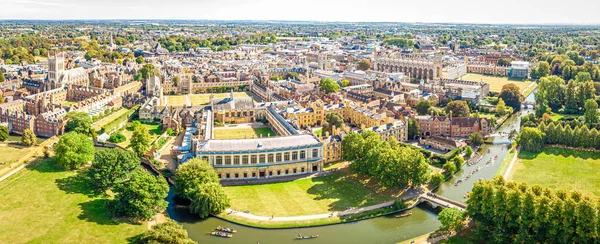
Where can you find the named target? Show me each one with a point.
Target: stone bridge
(439, 201)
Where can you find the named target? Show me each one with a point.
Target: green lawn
(202, 99)
(153, 129)
(44, 204)
(11, 155)
(496, 82)
(559, 169)
(101, 122)
(178, 100)
(307, 196)
(242, 133)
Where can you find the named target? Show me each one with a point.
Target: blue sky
(461, 11)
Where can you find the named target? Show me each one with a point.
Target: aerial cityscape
(321, 129)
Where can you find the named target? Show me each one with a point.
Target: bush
(117, 138)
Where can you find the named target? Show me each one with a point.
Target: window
(302, 154)
(286, 156)
(295, 171)
(253, 159)
(219, 160)
(227, 176)
(315, 153)
(245, 159)
(278, 157)
(287, 172)
(261, 159)
(236, 175)
(227, 160)
(270, 173)
(236, 159)
(302, 170)
(245, 175)
(270, 157)
(278, 172)
(294, 156)
(253, 175)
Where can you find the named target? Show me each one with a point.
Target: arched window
(270, 157)
(278, 157)
(219, 160)
(253, 159)
(302, 154)
(227, 160)
(236, 159)
(286, 156)
(315, 153)
(261, 159)
(294, 156)
(245, 159)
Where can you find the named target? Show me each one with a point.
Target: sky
(438, 11)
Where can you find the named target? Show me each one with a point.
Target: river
(376, 230)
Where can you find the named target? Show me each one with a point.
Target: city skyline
(428, 11)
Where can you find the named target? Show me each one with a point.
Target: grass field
(307, 196)
(496, 82)
(107, 119)
(557, 168)
(176, 100)
(242, 133)
(201, 99)
(154, 131)
(44, 204)
(10, 155)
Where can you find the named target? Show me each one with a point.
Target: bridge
(439, 201)
(528, 103)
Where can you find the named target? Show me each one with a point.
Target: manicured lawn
(10, 156)
(44, 204)
(559, 169)
(176, 100)
(201, 99)
(98, 124)
(154, 131)
(242, 133)
(484, 115)
(496, 82)
(307, 196)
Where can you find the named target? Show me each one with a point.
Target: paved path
(507, 173)
(309, 217)
(13, 172)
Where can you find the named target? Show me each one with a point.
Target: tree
(591, 112)
(140, 60)
(364, 64)
(332, 119)
(413, 129)
(501, 108)
(513, 133)
(148, 70)
(208, 199)
(191, 174)
(352, 145)
(571, 96)
(2, 79)
(169, 232)
(28, 138)
(459, 108)
(111, 167)
(449, 168)
(468, 151)
(583, 77)
(117, 138)
(511, 95)
(74, 150)
(141, 197)
(423, 106)
(552, 89)
(458, 161)
(504, 62)
(3, 133)
(476, 139)
(531, 139)
(79, 122)
(329, 86)
(436, 179)
(542, 70)
(452, 219)
(345, 83)
(140, 140)
(292, 75)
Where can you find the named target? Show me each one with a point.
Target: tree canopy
(452, 219)
(74, 150)
(329, 86)
(111, 167)
(208, 199)
(79, 122)
(141, 197)
(169, 232)
(28, 138)
(531, 139)
(331, 120)
(140, 140)
(423, 107)
(476, 139)
(511, 95)
(459, 108)
(364, 65)
(191, 174)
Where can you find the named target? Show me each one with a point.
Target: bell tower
(56, 65)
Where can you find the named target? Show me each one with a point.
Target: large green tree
(332, 119)
(511, 95)
(452, 219)
(169, 232)
(148, 70)
(552, 89)
(208, 199)
(191, 174)
(111, 167)
(141, 197)
(74, 150)
(591, 112)
(413, 129)
(364, 64)
(2, 79)
(459, 108)
(28, 138)
(79, 122)
(140, 140)
(531, 139)
(476, 139)
(329, 86)
(423, 106)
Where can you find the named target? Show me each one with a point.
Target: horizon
(510, 12)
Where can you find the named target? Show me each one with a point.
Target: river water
(376, 230)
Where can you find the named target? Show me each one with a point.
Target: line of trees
(395, 166)
(577, 136)
(570, 98)
(516, 213)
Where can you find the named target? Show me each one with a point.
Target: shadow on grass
(76, 184)
(350, 190)
(96, 211)
(45, 165)
(560, 152)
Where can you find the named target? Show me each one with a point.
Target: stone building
(448, 126)
(416, 66)
(233, 110)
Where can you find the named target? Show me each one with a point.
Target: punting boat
(221, 234)
(404, 215)
(228, 230)
(306, 237)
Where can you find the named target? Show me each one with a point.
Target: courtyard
(153, 129)
(557, 168)
(496, 82)
(242, 132)
(200, 99)
(44, 204)
(317, 195)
